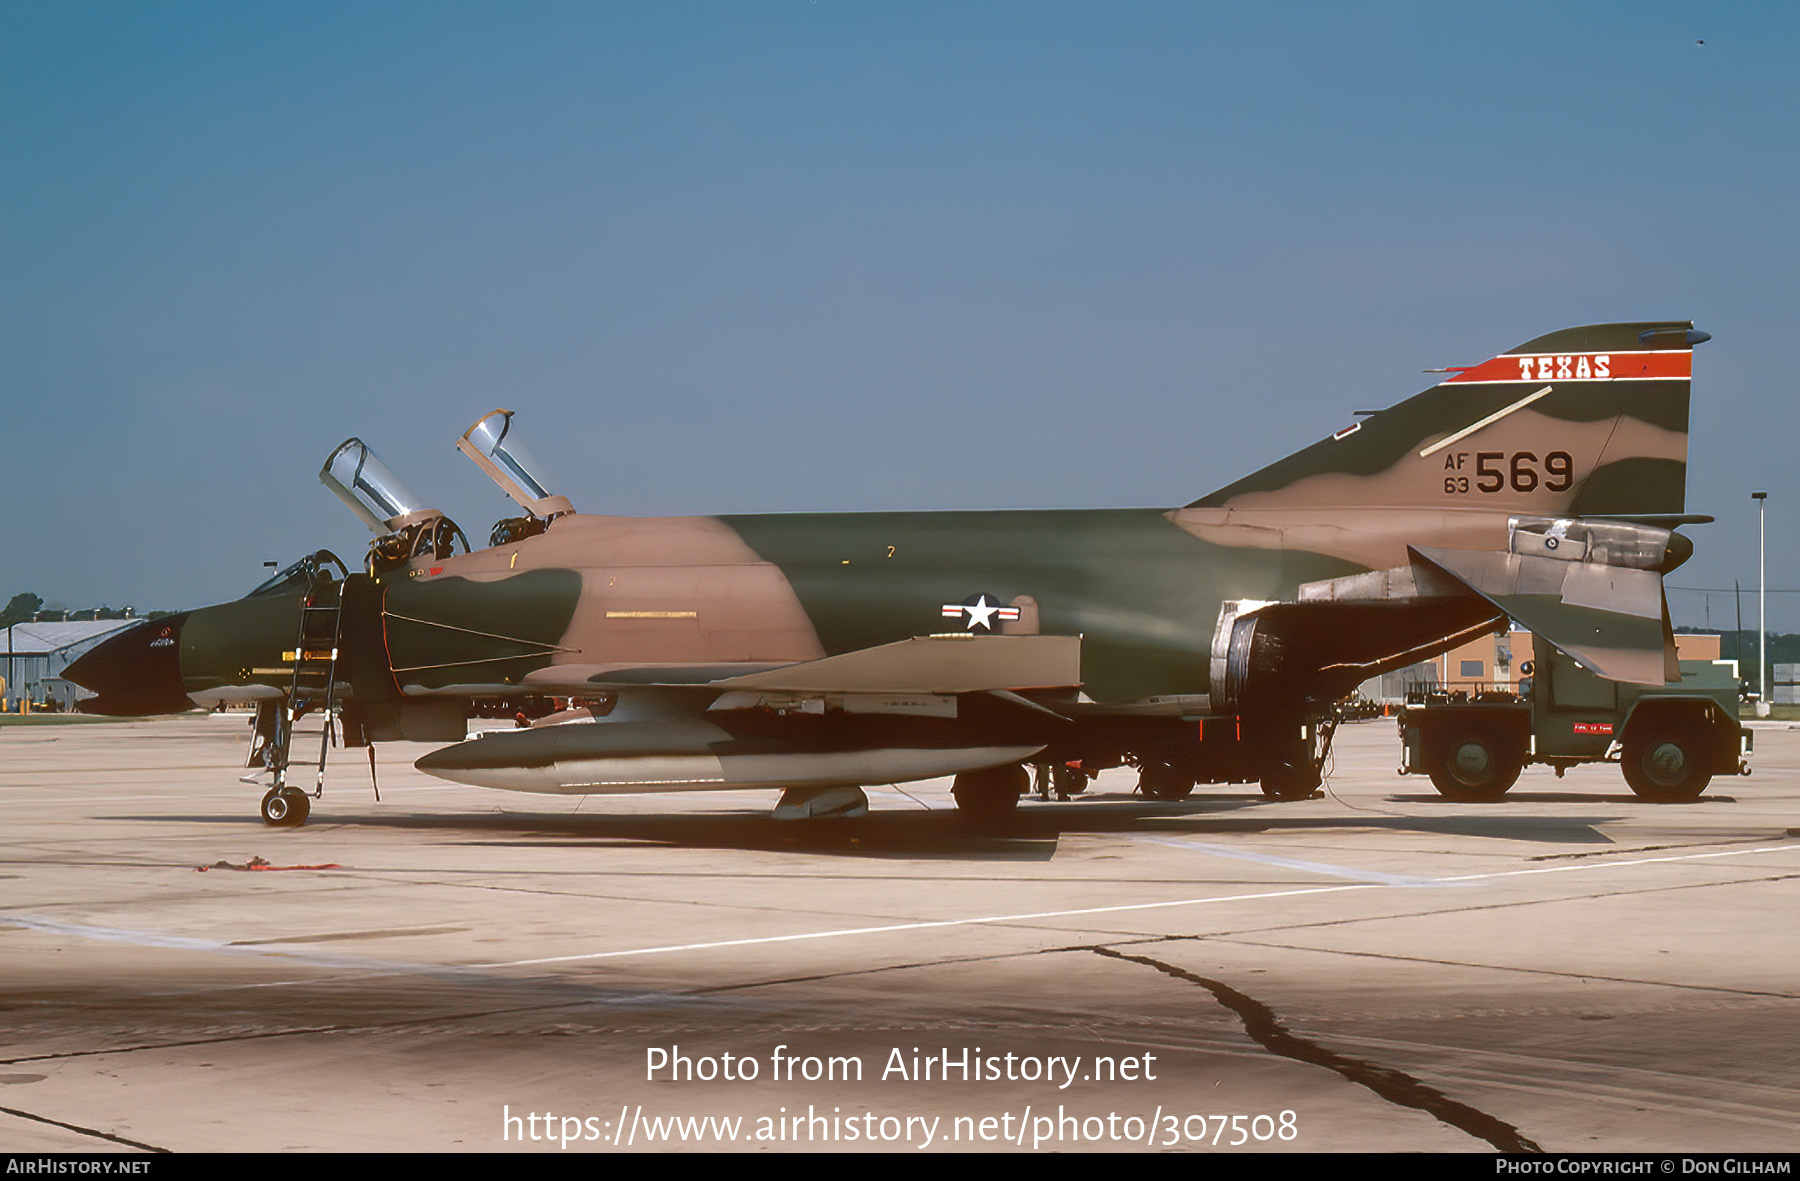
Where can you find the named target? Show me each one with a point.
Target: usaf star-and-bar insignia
(980, 611)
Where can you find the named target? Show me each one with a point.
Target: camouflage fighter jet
(819, 653)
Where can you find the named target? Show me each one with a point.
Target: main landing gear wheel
(1160, 781)
(285, 807)
(992, 794)
(1665, 762)
(1475, 766)
(1291, 781)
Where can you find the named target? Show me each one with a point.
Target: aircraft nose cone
(136, 672)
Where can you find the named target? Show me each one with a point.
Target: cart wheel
(1664, 760)
(1475, 765)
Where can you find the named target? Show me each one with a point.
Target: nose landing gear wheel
(285, 807)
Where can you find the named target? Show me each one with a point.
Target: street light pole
(1762, 607)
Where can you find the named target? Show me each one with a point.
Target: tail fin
(1587, 421)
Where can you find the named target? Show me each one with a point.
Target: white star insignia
(980, 612)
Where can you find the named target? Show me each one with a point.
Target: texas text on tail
(818, 653)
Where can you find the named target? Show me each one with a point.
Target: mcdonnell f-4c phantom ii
(820, 653)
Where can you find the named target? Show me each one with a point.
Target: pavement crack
(1645, 981)
(44, 1119)
(1615, 850)
(1395, 1086)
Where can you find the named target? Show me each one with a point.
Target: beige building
(1491, 662)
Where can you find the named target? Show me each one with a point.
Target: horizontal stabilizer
(1612, 620)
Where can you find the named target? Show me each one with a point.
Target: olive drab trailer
(1669, 741)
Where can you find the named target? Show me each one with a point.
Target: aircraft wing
(942, 664)
(955, 663)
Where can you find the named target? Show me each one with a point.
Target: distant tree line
(1784, 648)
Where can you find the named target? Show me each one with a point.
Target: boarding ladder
(314, 659)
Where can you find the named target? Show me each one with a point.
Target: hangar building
(35, 655)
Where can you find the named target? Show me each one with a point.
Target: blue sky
(771, 256)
